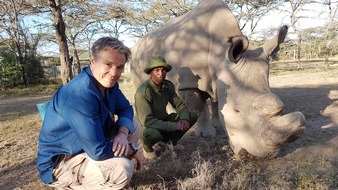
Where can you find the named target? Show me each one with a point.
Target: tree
(18, 39)
(89, 35)
(82, 17)
(149, 15)
(60, 28)
(78, 15)
(113, 20)
(298, 11)
(250, 13)
(331, 31)
(311, 37)
(10, 68)
(295, 7)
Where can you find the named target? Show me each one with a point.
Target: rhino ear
(272, 46)
(239, 44)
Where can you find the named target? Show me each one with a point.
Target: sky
(310, 18)
(273, 20)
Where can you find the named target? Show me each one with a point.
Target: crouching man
(81, 144)
(151, 99)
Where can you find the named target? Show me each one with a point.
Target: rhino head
(211, 59)
(248, 109)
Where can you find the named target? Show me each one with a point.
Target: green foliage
(33, 70)
(150, 15)
(10, 70)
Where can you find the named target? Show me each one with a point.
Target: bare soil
(315, 94)
(312, 92)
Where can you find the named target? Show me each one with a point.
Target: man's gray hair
(109, 43)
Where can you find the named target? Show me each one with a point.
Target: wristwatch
(134, 147)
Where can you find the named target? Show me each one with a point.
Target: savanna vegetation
(33, 33)
(308, 163)
(303, 73)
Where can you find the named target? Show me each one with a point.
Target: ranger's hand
(182, 125)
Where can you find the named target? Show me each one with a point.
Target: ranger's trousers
(82, 172)
(151, 136)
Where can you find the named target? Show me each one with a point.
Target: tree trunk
(76, 62)
(298, 52)
(66, 67)
(21, 60)
(326, 61)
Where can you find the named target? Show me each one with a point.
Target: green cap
(155, 62)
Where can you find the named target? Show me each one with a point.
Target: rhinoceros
(212, 59)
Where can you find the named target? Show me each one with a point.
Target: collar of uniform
(158, 88)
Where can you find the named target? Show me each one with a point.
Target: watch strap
(134, 150)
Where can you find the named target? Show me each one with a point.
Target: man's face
(107, 68)
(158, 75)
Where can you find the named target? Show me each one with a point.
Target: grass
(31, 90)
(203, 164)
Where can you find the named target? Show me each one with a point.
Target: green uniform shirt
(150, 104)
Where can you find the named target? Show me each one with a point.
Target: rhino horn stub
(268, 104)
(239, 45)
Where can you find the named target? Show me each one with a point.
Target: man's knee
(137, 127)
(150, 137)
(151, 134)
(121, 174)
(113, 173)
(134, 136)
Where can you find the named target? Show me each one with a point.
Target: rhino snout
(268, 104)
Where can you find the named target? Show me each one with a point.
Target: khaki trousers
(82, 172)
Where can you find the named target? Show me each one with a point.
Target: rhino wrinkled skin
(211, 59)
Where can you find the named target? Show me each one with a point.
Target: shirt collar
(158, 88)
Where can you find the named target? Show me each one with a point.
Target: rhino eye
(236, 110)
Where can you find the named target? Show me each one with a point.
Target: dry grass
(203, 164)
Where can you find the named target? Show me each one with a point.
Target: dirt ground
(314, 93)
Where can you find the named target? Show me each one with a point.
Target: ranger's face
(158, 75)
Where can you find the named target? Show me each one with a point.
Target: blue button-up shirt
(78, 120)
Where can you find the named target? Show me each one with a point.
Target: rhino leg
(196, 102)
(215, 121)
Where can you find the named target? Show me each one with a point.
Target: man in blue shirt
(89, 136)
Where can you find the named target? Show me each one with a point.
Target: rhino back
(192, 43)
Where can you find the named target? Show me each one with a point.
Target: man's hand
(120, 142)
(182, 125)
(139, 159)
